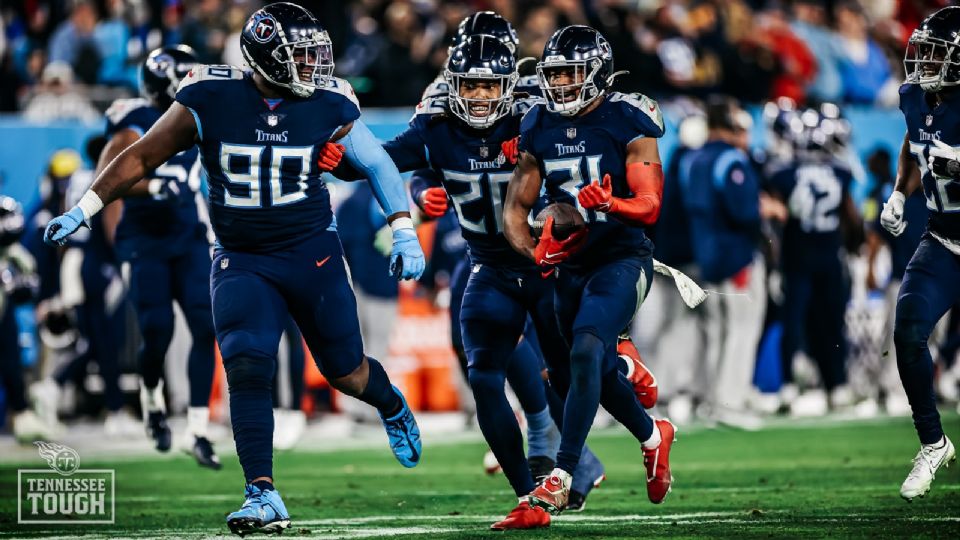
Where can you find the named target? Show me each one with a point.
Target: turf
(838, 480)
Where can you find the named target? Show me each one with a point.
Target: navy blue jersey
(150, 226)
(572, 152)
(721, 194)
(266, 192)
(471, 168)
(814, 194)
(924, 124)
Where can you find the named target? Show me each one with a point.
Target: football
(566, 220)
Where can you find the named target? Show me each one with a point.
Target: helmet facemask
(569, 98)
(308, 59)
(931, 62)
(480, 112)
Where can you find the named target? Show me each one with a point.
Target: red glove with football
(433, 201)
(330, 155)
(551, 252)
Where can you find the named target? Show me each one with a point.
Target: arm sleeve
(406, 150)
(364, 153)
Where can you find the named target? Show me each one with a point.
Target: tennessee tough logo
(264, 28)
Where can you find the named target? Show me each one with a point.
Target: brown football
(566, 220)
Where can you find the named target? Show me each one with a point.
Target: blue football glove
(406, 258)
(63, 226)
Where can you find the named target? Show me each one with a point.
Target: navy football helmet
(576, 68)
(481, 60)
(490, 23)
(932, 59)
(286, 45)
(11, 221)
(162, 72)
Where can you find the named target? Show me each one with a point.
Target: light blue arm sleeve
(364, 153)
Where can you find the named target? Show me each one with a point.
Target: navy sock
(200, 365)
(583, 399)
(263, 485)
(379, 392)
(523, 374)
(250, 380)
(618, 399)
(500, 429)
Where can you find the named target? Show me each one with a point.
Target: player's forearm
(121, 174)
(908, 174)
(365, 154)
(517, 231)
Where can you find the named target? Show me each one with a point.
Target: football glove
(892, 216)
(597, 196)
(944, 160)
(164, 190)
(330, 155)
(433, 201)
(63, 226)
(406, 257)
(550, 251)
(510, 150)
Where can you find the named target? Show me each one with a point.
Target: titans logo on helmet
(264, 28)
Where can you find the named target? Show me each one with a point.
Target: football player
(815, 187)
(929, 158)
(162, 241)
(584, 129)
(260, 136)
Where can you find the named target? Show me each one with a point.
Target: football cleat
(540, 467)
(263, 511)
(403, 434)
(588, 476)
(644, 383)
(576, 502)
(657, 463)
(553, 493)
(929, 459)
(524, 516)
(203, 452)
(159, 431)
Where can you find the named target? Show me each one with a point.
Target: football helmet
(932, 59)
(490, 23)
(480, 58)
(11, 221)
(162, 72)
(585, 57)
(286, 45)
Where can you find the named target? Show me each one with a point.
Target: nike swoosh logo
(323, 262)
(546, 274)
(553, 255)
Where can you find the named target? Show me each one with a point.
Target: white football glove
(892, 216)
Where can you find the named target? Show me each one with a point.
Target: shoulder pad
(340, 86)
(430, 107)
(651, 121)
(521, 106)
(120, 108)
(213, 72)
(438, 88)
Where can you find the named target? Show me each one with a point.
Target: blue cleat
(262, 512)
(403, 434)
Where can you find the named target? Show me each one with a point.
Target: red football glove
(330, 155)
(509, 149)
(433, 201)
(596, 196)
(550, 251)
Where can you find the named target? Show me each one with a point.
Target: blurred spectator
(810, 25)
(865, 69)
(73, 42)
(199, 27)
(112, 36)
(398, 70)
(797, 64)
(57, 98)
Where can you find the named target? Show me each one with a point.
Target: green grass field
(833, 480)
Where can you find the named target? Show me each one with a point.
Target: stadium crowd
(829, 50)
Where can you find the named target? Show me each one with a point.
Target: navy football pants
(930, 287)
(155, 283)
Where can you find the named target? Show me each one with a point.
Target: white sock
(654, 440)
(151, 399)
(563, 475)
(197, 420)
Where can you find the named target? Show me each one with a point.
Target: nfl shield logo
(571, 133)
(224, 263)
(484, 152)
(929, 119)
(272, 120)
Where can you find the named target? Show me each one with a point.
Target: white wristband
(401, 223)
(90, 204)
(897, 196)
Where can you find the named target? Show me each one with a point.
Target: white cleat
(28, 427)
(925, 466)
(45, 395)
(121, 424)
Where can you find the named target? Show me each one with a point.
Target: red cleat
(657, 463)
(552, 494)
(644, 383)
(523, 516)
